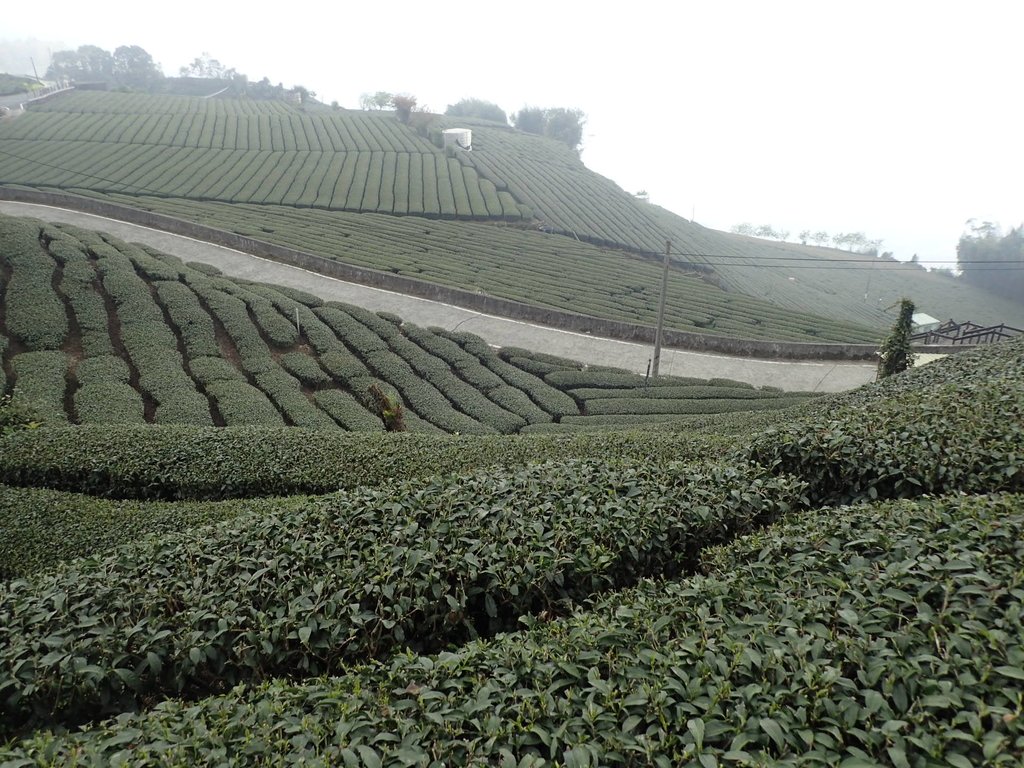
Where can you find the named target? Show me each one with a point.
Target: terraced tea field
(239, 151)
(639, 598)
(271, 154)
(511, 263)
(96, 331)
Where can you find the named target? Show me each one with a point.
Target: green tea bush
(194, 324)
(305, 368)
(210, 369)
(285, 392)
(654, 405)
(887, 634)
(44, 528)
(957, 427)
(299, 593)
(344, 367)
(347, 411)
(151, 345)
(34, 313)
(241, 404)
(79, 286)
(104, 395)
(179, 462)
(40, 384)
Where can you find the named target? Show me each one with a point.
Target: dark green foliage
(362, 574)
(172, 462)
(210, 369)
(304, 368)
(386, 407)
(879, 635)
(40, 384)
(44, 528)
(347, 411)
(241, 404)
(286, 393)
(15, 418)
(104, 395)
(192, 322)
(151, 345)
(79, 286)
(958, 425)
(895, 354)
(34, 313)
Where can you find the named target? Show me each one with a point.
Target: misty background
(900, 121)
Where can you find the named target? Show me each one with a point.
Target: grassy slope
(275, 154)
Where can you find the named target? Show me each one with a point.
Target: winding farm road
(498, 331)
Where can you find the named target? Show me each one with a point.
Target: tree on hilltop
(205, 66)
(129, 66)
(991, 260)
(378, 100)
(87, 63)
(133, 67)
(484, 110)
(558, 123)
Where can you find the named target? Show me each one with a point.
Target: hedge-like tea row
(551, 400)
(104, 395)
(33, 311)
(342, 579)
(654, 405)
(683, 392)
(43, 528)
(883, 635)
(173, 462)
(964, 432)
(347, 411)
(150, 343)
(603, 378)
(41, 384)
(194, 324)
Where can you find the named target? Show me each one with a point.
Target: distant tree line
(132, 68)
(559, 123)
(129, 66)
(857, 242)
(991, 260)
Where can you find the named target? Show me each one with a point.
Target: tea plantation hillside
(676, 598)
(525, 266)
(245, 154)
(97, 331)
(855, 287)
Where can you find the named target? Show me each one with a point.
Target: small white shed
(458, 138)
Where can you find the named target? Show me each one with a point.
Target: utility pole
(661, 313)
(34, 69)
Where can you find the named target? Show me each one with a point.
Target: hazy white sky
(900, 119)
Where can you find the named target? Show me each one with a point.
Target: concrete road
(498, 331)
